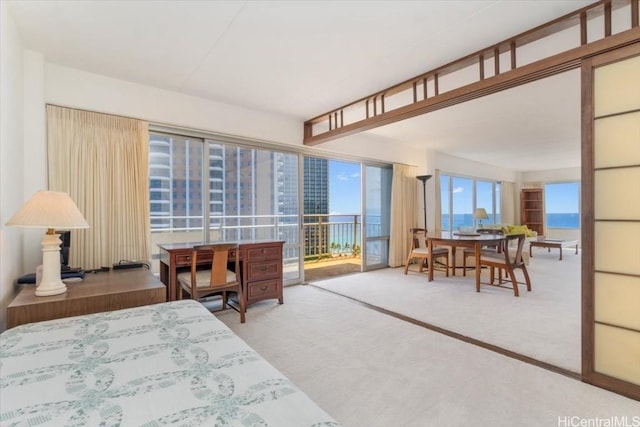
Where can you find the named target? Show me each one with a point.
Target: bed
(166, 364)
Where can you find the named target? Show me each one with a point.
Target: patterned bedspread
(167, 364)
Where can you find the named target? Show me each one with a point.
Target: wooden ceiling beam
(528, 73)
(485, 85)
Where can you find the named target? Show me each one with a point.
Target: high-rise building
(316, 204)
(250, 192)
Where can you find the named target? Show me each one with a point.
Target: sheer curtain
(507, 203)
(102, 162)
(403, 208)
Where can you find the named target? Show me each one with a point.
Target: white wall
(80, 89)
(11, 156)
(554, 175)
(49, 83)
(455, 165)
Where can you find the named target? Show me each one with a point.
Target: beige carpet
(369, 369)
(543, 324)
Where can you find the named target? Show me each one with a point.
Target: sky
(344, 183)
(562, 197)
(344, 187)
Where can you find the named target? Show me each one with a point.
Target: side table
(99, 292)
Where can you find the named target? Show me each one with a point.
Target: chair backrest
(514, 257)
(219, 259)
(418, 238)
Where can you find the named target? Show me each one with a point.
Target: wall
(11, 156)
(455, 165)
(54, 84)
(80, 89)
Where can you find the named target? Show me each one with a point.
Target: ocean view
(345, 229)
(553, 220)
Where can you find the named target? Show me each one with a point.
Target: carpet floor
(543, 324)
(370, 369)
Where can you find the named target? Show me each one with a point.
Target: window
(460, 196)
(562, 205)
(207, 190)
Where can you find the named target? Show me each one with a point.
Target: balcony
(332, 243)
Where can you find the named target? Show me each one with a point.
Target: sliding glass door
(377, 214)
(206, 190)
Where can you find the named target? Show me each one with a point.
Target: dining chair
(471, 252)
(509, 260)
(217, 279)
(420, 250)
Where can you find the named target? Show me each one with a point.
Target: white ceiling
(304, 58)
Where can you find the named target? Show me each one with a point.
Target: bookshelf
(532, 209)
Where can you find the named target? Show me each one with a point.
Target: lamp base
(51, 283)
(51, 289)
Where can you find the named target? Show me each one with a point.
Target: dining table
(466, 240)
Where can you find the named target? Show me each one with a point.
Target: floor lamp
(424, 179)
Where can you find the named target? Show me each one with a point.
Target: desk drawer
(265, 253)
(185, 260)
(265, 289)
(264, 270)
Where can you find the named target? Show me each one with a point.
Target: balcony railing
(323, 235)
(328, 236)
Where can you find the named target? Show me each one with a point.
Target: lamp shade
(480, 213)
(49, 209)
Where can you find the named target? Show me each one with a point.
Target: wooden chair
(471, 252)
(419, 249)
(217, 279)
(509, 260)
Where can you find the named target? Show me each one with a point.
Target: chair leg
(464, 264)
(224, 300)
(242, 307)
(406, 264)
(512, 276)
(526, 278)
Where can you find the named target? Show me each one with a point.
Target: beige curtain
(102, 161)
(403, 208)
(437, 202)
(508, 203)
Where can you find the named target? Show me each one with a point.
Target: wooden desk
(99, 292)
(260, 264)
(454, 240)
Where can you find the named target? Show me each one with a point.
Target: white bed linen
(166, 364)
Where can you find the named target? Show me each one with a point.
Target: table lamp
(50, 210)
(480, 214)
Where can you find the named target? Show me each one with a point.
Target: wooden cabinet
(532, 209)
(260, 262)
(97, 293)
(262, 271)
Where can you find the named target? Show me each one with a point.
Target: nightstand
(99, 292)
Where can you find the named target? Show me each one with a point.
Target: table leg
(576, 249)
(430, 258)
(478, 272)
(453, 260)
(560, 252)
